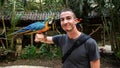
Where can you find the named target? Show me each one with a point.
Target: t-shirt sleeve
(92, 49)
(58, 40)
(55, 39)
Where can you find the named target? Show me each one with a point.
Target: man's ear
(77, 20)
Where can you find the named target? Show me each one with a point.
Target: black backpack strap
(77, 43)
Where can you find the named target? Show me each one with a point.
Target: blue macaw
(35, 27)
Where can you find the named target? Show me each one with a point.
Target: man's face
(68, 21)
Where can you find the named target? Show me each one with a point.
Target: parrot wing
(32, 27)
(46, 28)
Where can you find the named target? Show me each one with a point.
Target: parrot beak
(52, 18)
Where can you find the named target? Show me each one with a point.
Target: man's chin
(68, 30)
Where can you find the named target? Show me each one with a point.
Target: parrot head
(50, 19)
(47, 22)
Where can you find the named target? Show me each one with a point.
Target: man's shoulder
(59, 37)
(90, 39)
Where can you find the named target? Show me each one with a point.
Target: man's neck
(74, 34)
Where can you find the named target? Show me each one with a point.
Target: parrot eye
(50, 22)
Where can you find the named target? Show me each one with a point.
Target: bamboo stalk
(5, 31)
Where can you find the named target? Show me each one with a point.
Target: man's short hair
(68, 9)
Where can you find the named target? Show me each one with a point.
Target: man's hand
(40, 38)
(43, 38)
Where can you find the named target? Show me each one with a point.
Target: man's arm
(95, 63)
(43, 38)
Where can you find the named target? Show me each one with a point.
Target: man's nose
(65, 21)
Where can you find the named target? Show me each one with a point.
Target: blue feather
(32, 27)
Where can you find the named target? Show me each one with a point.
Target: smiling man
(84, 56)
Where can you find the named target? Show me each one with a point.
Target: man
(85, 56)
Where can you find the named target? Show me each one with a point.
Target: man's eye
(61, 19)
(68, 18)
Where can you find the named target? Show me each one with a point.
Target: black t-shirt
(81, 56)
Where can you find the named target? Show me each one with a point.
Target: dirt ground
(106, 62)
(56, 63)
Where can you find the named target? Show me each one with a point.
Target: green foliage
(32, 6)
(45, 51)
(50, 51)
(29, 52)
(18, 6)
(118, 43)
(14, 21)
(76, 6)
(53, 5)
(118, 54)
(2, 51)
(2, 2)
(44, 6)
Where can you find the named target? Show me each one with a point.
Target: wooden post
(31, 39)
(19, 45)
